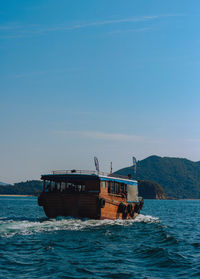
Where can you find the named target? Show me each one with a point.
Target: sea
(162, 242)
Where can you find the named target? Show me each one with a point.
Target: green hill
(3, 183)
(180, 178)
(150, 190)
(32, 187)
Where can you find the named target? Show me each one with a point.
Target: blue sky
(112, 79)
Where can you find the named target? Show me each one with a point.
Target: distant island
(158, 178)
(31, 187)
(3, 184)
(151, 190)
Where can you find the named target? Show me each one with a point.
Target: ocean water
(162, 242)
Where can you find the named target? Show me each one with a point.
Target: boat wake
(9, 228)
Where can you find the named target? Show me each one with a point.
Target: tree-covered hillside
(150, 190)
(32, 187)
(180, 178)
(3, 183)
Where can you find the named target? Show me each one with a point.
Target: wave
(9, 228)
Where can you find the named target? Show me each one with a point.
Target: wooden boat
(86, 194)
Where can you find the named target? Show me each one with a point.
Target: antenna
(135, 167)
(96, 163)
(134, 164)
(110, 167)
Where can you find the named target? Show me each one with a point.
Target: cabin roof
(81, 176)
(118, 179)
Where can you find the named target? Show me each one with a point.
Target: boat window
(62, 186)
(48, 186)
(103, 184)
(116, 187)
(122, 187)
(65, 187)
(132, 193)
(52, 185)
(70, 187)
(112, 187)
(122, 190)
(56, 186)
(109, 187)
(78, 188)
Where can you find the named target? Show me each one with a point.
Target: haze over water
(162, 242)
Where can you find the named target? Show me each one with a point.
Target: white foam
(11, 227)
(146, 219)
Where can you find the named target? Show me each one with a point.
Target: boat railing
(79, 172)
(74, 171)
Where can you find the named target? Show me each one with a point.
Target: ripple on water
(163, 242)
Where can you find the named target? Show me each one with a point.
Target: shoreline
(16, 195)
(7, 195)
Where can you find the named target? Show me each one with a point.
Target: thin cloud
(26, 75)
(131, 30)
(107, 22)
(10, 26)
(96, 135)
(16, 30)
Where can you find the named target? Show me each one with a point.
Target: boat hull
(85, 206)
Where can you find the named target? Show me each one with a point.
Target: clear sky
(110, 78)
